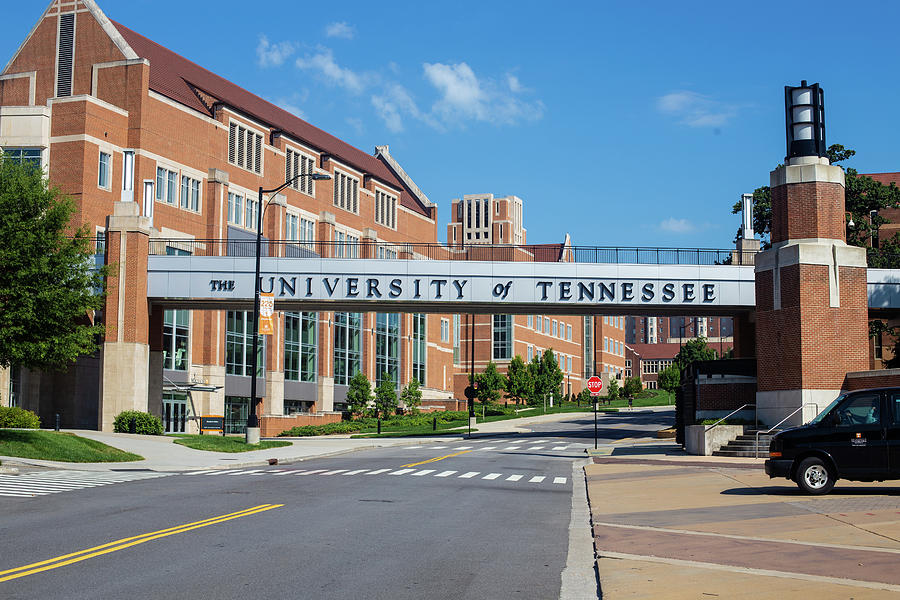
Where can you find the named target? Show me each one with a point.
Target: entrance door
(174, 413)
(236, 411)
(893, 433)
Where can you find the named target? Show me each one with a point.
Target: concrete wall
(700, 442)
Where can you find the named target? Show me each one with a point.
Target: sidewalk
(670, 525)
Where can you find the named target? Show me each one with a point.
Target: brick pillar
(125, 369)
(811, 302)
(325, 234)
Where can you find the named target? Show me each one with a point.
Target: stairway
(744, 445)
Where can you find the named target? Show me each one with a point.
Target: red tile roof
(655, 351)
(173, 76)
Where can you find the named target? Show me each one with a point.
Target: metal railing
(365, 249)
(734, 412)
(774, 427)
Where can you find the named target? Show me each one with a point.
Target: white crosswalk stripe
(356, 472)
(313, 472)
(536, 448)
(514, 477)
(469, 475)
(512, 447)
(423, 472)
(489, 447)
(560, 447)
(491, 476)
(445, 473)
(378, 472)
(537, 479)
(559, 480)
(335, 472)
(402, 472)
(463, 448)
(29, 485)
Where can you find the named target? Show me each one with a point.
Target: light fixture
(805, 120)
(850, 223)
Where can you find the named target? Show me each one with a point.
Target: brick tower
(811, 302)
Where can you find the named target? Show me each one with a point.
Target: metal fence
(471, 252)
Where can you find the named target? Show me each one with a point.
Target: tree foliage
(546, 375)
(612, 392)
(490, 384)
(693, 350)
(386, 397)
(669, 379)
(519, 384)
(862, 196)
(411, 396)
(359, 395)
(632, 387)
(47, 281)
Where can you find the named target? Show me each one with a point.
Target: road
(481, 518)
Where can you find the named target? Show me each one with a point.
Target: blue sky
(623, 124)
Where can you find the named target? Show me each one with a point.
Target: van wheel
(813, 477)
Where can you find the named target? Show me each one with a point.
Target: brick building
(154, 147)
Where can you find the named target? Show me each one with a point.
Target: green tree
(669, 379)
(359, 395)
(551, 374)
(48, 285)
(584, 396)
(411, 396)
(519, 384)
(633, 387)
(862, 195)
(386, 397)
(693, 350)
(612, 392)
(490, 384)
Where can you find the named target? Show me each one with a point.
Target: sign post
(595, 385)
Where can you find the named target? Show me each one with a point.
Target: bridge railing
(469, 252)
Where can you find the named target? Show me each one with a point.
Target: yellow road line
(68, 559)
(431, 460)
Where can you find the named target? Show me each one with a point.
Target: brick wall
(272, 426)
(808, 210)
(861, 380)
(725, 396)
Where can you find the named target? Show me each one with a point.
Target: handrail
(774, 427)
(728, 415)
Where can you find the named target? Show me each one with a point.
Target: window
(300, 342)
(251, 206)
(496, 208)
(176, 331)
(292, 228)
(418, 345)
(244, 148)
(606, 344)
(387, 347)
(570, 364)
(65, 54)
(190, 193)
(298, 229)
(530, 322)
(300, 164)
(859, 410)
(445, 330)
(569, 332)
(502, 337)
(385, 209)
(530, 353)
(103, 170)
(23, 155)
(554, 330)
(346, 192)
(386, 253)
(235, 208)
(652, 366)
(456, 340)
(347, 346)
(239, 345)
(588, 346)
(165, 185)
(347, 245)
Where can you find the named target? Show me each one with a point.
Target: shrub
(145, 423)
(18, 418)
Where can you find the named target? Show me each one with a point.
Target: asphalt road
(481, 518)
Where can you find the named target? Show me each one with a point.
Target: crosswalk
(29, 485)
(470, 475)
(531, 446)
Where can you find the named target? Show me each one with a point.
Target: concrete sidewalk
(669, 525)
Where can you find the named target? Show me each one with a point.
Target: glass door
(175, 413)
(236, 410)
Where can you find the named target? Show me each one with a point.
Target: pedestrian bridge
(505, 279)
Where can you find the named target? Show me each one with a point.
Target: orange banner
(266, 310)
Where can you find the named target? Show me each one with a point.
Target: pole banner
(266, 310)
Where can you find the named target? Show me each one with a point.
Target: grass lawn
(65, 447)
(217, 443)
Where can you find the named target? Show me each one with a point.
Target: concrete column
(811, 301)
(325, 394)
(155, 370)
(325, 233)
(125, 366)
(273, 403)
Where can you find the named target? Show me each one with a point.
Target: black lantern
(805, 120)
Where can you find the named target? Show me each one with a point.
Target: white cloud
(356, 124)
(395, 103)
(466, 97)
(273, 55)
(696, 110)
(340, 30)
(673, 225)
(323, 62)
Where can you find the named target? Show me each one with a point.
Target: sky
(620, 123)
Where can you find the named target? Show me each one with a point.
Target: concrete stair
(745, 445)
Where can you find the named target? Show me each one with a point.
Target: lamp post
(252, 419)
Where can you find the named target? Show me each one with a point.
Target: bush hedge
(13, 417)
(145, 423)
(369, 423)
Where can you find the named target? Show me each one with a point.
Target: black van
(857, 437)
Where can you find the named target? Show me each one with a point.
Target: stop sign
(595, 384)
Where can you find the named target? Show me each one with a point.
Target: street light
(252, 419)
